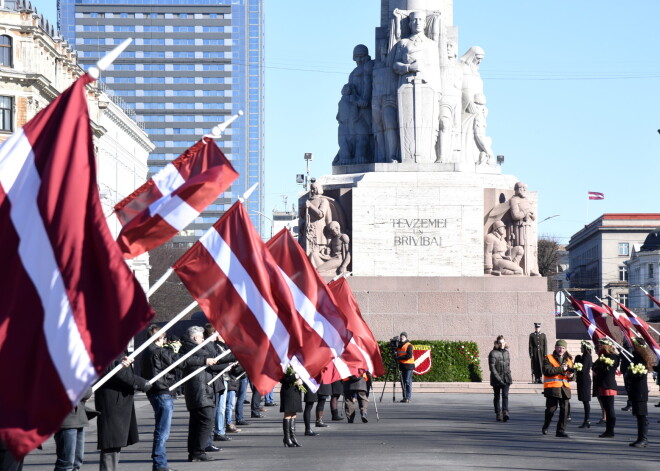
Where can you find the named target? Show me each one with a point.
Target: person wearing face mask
(499, 363)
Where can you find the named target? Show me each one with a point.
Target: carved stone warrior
(522, 216)
(416, 60)
(499, 257)
(317, 214)
(361, 80)
(339, 256)
(473, 86)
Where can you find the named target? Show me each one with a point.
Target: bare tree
(548, 255)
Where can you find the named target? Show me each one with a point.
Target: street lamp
(272, 223)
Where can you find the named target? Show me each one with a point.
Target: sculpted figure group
(415, 102)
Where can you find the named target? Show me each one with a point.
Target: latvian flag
(595, 195)
(173, 198)
(70, 303)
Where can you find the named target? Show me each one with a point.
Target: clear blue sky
(573, 92)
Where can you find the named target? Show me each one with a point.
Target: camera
(394, 346)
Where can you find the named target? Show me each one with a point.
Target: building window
(5, 51)
(623, 273)
(651, 303)
(623, 299)
(6, 111)
(624, 248)
(650, 270)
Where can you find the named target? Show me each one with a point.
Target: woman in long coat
(604, 371)
(643, 359)
(583, 379)
(290, 405)
(499, 363)
(117, 425)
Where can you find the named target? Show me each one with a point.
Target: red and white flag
(622, 323)
(642, 327)
(70, 303)
(595, 195)
(239, 286)
(588, 320)
(324, 323)
(596, 315)
(173, 198)
(363, 338)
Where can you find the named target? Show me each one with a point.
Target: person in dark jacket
(323, 394)
(604, 371)
(538, 349)
(557, 374)
(356, 388)
(200, 396)
(643, 361)
(290, 405)
(70, 438)
(155, 359)
(499, 363)
(406, 360)
(309, 399)
(117, 425)
(583, 379)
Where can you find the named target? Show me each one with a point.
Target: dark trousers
(200, 428)
(349, 403)
(607, 403)
(587, 410)
(504, 392)
(255, 402)
(551, 404)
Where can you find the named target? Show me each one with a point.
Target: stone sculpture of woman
(472, 86)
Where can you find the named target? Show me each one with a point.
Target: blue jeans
(163, 405)
(220, 411)
(406, 376)
(240, 397)
(70, 449)
(231, 403)
(269, 398)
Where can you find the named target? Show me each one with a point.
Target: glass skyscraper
(192, 64)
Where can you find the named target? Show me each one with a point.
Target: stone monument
(417, 198)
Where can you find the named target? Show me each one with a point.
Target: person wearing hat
(404, 355)
(557, 372)
(538, 346)
(604, 371)
(643, 362)
(583, 364)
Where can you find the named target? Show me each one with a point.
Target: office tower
(192, 64)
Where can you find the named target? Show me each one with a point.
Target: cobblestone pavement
(435, 431)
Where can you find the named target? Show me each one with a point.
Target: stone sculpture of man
(384, 110)
(416, 61)
(450, 105)
(522, 215)
(472, 86)
(339, 257)
(499, 257)
(317, 215)
(361, 79)
(483, 143)
(347, 116)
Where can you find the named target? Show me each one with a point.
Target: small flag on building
(595, 195)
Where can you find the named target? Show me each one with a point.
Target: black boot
(286, 427)
(585, 424)
(505, 415)
(546, 422)
(319, 420)
(642, 432)
(609, 428)
(335, 414)
(292, 433)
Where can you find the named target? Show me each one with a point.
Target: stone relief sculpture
(483, 143)
(339, 256)
(347, 117)
(317, 211)
(522, 215)
(450, 102)
(361, 79)
(472, 87)
(416, 60)
(499, 257)
(384, 109)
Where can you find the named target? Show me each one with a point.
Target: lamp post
(272, 223)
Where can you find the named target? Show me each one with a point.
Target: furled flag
(238, 285)
(587, 319)
(362, 335)
(173, 198)
(70, 303)
(325, 325)
(595, 195)
(642, 327)
(596, 315)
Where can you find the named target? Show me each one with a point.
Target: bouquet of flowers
(578, 366)
(298, 384)
(606, 362)
(638, 369)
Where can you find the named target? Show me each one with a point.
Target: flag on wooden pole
(70, 303)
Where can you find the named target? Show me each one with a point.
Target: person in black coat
(200, 396)
(117, 425)
(643, 361)
(356, 388)
(583, 379)
(290, 405)
(499, 363)
(309, 399)
(324, 392)
(604, 371)
(70, 438)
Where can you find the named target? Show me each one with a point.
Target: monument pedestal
(460, 308)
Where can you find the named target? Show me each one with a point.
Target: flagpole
(107, 60)
(197, 371)
(185, 357)
(160, 281)
(634, 331)
(217, 130)
(231, 365)
(650, 326)
(142, 347)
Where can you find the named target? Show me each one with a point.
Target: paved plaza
(435, 431)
